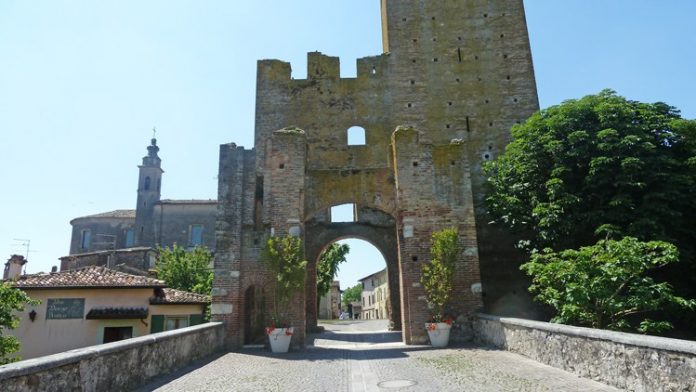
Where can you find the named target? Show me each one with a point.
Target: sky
(82, 84)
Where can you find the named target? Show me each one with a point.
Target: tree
(284, 257)
(598, 161)
(437, 276)
(11, 300)
(186, 270)
(606, 285)
(352, 294)
(327, 267)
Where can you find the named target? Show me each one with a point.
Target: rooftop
(88, 277)
(110, 251)
(167, 296)
(373, 274)
(190, 201)
(130, 214)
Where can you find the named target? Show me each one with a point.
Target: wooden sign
(65, 308)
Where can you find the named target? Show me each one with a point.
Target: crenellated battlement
(322, 67)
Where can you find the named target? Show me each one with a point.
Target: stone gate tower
(455, 76)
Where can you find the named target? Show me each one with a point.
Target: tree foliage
(606, 285)
(437, 276)
(598, 161)
(186, 270)
(352, 294)
(11, 300)
(284, 257)
(327, 267)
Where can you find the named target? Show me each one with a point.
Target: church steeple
(149, 184)
(152, 159)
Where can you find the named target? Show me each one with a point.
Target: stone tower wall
(463, 69)
(433, 193)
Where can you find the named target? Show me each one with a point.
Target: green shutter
(195, 319)
(157, 323)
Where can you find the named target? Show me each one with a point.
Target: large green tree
(607, 285)
(600, 161)
(327, 267)
(602, 164)
(11, 301)
(352, 294)
(186, 270)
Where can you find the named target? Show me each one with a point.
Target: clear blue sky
(82, 83)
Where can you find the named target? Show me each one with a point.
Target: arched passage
(320, 235)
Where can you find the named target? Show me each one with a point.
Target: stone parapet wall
(627, 361)
(116, 366)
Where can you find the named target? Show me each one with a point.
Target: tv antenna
(25, 243)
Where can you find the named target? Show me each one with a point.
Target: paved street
(363, 356)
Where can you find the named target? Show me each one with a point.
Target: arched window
(147, 183)
(356, 136)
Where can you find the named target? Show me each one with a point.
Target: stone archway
(319, 235)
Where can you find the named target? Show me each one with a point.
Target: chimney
(54, 269)
(13, 267)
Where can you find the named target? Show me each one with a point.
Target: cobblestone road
(363, 356)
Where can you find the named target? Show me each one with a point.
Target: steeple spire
(152, 159)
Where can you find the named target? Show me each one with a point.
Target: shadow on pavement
(355, 337)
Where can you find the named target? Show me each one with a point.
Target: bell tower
(149, 184)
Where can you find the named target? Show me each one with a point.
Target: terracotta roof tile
(173, 296)
(88, 277)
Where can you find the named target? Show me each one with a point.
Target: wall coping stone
(655, 342)
(34, 365)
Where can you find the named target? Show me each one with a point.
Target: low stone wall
(627, 361)
(115, 366)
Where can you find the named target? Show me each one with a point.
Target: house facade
(95, 305)
(375, 296)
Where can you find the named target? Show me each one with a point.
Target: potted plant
(437, 278)
(284, 257)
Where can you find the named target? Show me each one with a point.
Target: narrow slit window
(459, 54)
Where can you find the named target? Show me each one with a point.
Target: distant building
(153, 222)
(355, 309)
(138, 260)
(96, 305)
(375, 296)
(330, 303)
